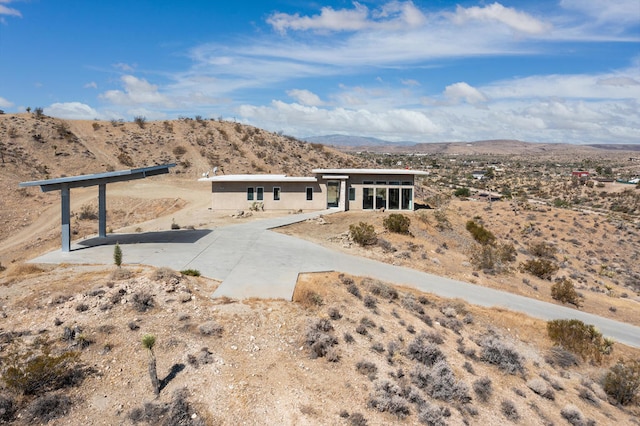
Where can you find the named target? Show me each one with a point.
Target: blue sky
(425, 71)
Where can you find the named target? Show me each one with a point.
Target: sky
(423, 71)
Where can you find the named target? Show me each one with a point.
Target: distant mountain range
(362, 143)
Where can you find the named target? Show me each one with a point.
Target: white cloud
(124, 67)
(91, 85)
(305, 97)
(4, 103)
(615, 12)
(393, 123)
(72, 111)
(394, 15)
(518, 21)
(136, 91)
(618, 85)
(9, 11)
(618, 81)
(462, 91)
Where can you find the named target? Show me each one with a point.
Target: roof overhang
(258, 178)
(370, 172)
(97, 178)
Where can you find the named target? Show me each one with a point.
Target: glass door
(333, 194)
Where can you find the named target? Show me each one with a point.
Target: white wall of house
(243, 195)
(345, 189)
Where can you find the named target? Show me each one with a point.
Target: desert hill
(37, 147)
(501, 147)
(347, 351)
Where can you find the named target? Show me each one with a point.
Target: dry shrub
(432, 415)
(483, 389)
(319, 338)
(363, 234)
(35, 375)
(440, 383)
(579, 338)
(307, 298)
(561, 357)
(23, 269)
(541, 268)
(142, 301)
(48, 407)
(564, 291)
(509, 410)
(573, 415)
(622, 381)
(385, 291)
(424, 350)
(164, 274)
(211, 328)
(387, 397)
(7, 408)
(367, 368)
(397, 223)
(541, 387)
(120, 274)
(501, 355)
(543, 250)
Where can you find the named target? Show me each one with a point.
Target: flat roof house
(343, 189)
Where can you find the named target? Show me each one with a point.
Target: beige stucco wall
(233, 195)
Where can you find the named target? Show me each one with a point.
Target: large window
(394, 198)
(381, 198)
(250, 194)
(367, 198)
(407, 199)
(309, 193)
(259, 193)
(276, 193)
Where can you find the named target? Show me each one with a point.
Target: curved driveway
(252, 261)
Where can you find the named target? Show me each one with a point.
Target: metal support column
(102, 210)
(66, 217)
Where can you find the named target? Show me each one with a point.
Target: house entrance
(333, 194)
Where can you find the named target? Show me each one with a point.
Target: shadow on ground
(174, 236)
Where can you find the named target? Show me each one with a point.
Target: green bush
(462, 192)
(564, 291)
(190, 272)
(363, 234)
(541, 268)
(397, 223)
(623, 381)
(480, 233)
(582, 339)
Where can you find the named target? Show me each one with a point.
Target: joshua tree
(148, 341)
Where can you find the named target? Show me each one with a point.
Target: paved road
(252, 261)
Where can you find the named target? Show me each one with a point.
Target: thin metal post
(102, 210)
(65, 204)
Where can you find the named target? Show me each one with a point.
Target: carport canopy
(64, 185)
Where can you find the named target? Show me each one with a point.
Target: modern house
(344, 189)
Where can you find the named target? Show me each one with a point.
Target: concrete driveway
(252, 261)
